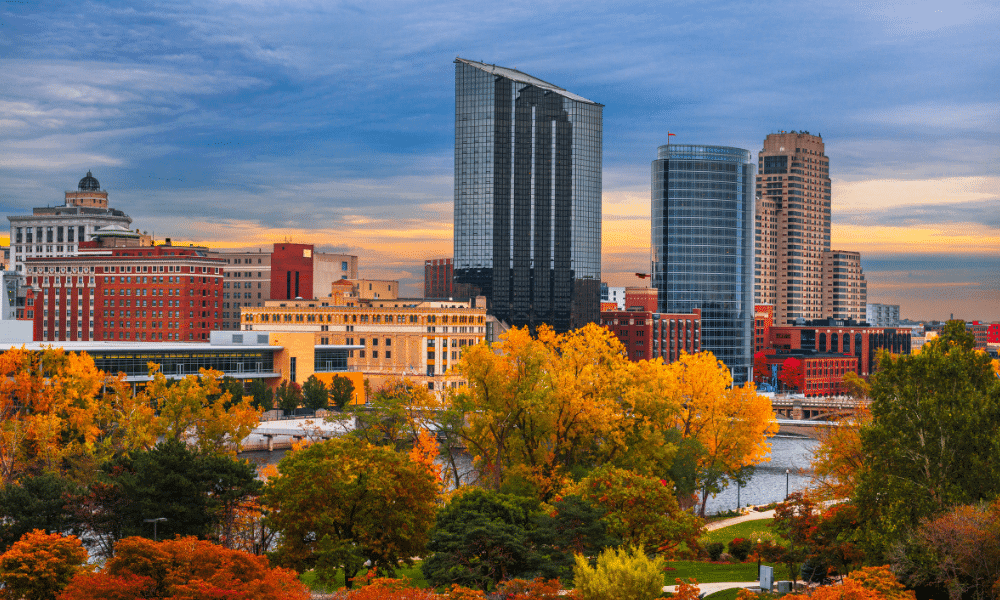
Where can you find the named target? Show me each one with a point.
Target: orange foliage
(184, 568)
(424, 451)
(687, 590)
(837, 461)
(391, 589)
(39, 565)
(536, 589)
(869, 583)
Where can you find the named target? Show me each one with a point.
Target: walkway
(753, 515)
(711, 588)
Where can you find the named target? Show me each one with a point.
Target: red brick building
(133, 293)
(981, 331)
(647, 334)
(993, 333)
(439, 281)
(763, 320)
(845, 338)
(822, 374)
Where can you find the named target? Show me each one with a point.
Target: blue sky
(243, 123)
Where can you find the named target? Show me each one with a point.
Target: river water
(769, 479)
(767, 485)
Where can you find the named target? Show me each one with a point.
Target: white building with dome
(53, 231)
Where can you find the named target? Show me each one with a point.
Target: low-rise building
(413, 338)
(648, 334)
(843, 337)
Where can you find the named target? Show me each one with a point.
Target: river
(766, 486)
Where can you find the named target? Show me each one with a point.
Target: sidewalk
(751, 516)
(711, 588)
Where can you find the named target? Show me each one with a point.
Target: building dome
(89, 184)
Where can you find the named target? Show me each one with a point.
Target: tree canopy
(343, 502)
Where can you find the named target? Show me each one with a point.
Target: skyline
(249, 122)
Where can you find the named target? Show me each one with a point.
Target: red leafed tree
(40, 564)
(761, 370)
(184, 568)
(792, 374)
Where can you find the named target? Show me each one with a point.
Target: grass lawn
(751, 530)
(412, 573)
(708, 572)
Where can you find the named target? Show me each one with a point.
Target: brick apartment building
(648, 334)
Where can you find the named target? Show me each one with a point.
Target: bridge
(797, 407)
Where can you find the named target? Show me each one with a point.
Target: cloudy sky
(242, 123)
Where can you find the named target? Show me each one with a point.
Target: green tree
(342, 502)
(572, 526)
(314, 393)
(289, 395)
(481, 538)
(932, 441)
(263, 395)
(398, 411)
(39, 502)
(193, 492)
(341, 392)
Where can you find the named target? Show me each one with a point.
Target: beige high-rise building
(793, 232)
(845, 292)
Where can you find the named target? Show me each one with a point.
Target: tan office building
(420, 340)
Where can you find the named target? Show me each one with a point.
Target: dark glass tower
(703, 245)
(527, 196)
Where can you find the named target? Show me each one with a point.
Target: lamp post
(738, 487)
(155, 522)
(786, 484)
(757, 552)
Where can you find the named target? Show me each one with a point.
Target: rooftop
(518, 76)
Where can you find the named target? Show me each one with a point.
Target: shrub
(39, 565)
(715, 550)
(740, 548)
(620, 574)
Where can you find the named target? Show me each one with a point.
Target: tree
(47, 409)
(263, 395)
(621, 574)
(932, 441)
(193, 410)
(192, 491)
(481, 538)
(838, 459)
(342, 502)
(39, 502)
(398, 411)
(184, 567)
(573, 526)
(870, 583)
(641, 510)
(341, 392)
(957, 552)
(731, 425)
(39, 565)
(314, 393)
(761, 368)
(289, 395)
(791, 374)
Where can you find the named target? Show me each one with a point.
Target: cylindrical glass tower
(703, 248)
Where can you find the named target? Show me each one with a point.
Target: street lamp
(738, 487)
(758, 558)
(155, 522)
(786, 484)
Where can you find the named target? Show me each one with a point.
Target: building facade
(845, 291)
(882, 315)
(59, 230)
(831, 336)
(246, 281)
(168, 293)
(439, 281)
(702, 245)
(420, 340)
(527, 196)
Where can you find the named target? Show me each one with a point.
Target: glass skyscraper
(703, 245)
(527, 196)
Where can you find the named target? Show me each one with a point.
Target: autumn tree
(932, 441)
(540, 407)
(761, 368)
(869, 583)
(641, 510)
(396, 414)
(314, 393)
(47, 411)
(39, 565)
(340, 392)
(730, 424)
(184, 567)
(342, 502)
(193, 410)
(792, 375)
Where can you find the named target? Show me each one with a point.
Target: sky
(238, 124)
